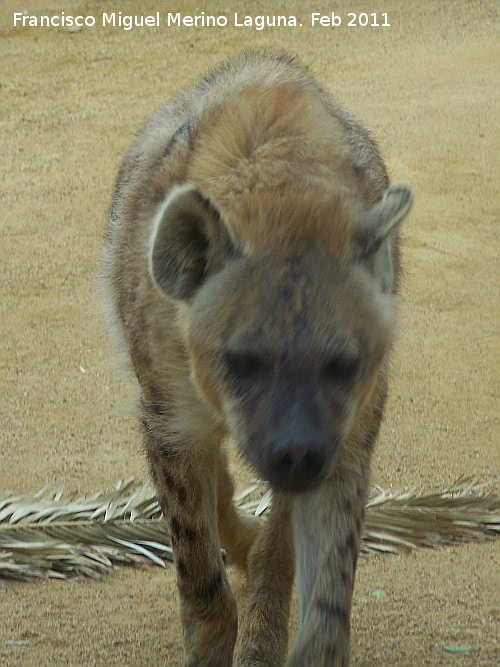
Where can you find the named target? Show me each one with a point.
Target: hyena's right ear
(189, 241)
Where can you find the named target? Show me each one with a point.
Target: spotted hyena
(251, 269)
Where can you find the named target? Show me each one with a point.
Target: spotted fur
(251, 270)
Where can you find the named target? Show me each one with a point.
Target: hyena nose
(296, 467)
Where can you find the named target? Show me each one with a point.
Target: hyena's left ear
(376, 230)
(189, 241)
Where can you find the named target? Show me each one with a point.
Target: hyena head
(286, 351)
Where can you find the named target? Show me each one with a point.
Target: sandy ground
(427, 87)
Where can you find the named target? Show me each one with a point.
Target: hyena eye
(245, 365)
(340, 369)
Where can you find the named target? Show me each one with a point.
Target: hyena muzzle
(251, 270)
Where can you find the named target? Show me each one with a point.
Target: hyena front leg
(186, 483)
(237, 529)
(327, 527)
(271, 569)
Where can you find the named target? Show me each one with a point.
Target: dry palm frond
(45, 534)
(402, 522)
(52, 535)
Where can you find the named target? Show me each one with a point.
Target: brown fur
(251, 268)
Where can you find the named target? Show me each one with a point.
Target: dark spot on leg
(348, 506)
(208, 590)
(190, 534)
(352, 549)
(169, 480)
(182, 533)
(140, 357)
(182, 569)
(155, 408)
(344, 575)
(168, 451)
(351, 543)
(175, 529)
(334, 610)
(330, 654)
(155, 401)
(182, 495)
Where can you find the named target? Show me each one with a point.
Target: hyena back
(251, 267)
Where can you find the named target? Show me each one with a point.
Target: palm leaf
(47, 534)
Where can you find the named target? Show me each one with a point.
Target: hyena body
(251, 267)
